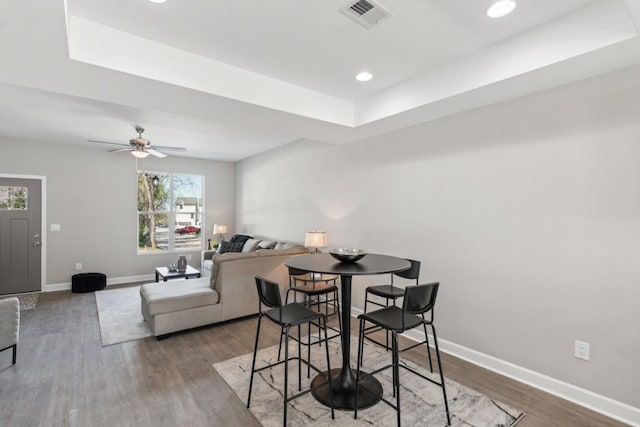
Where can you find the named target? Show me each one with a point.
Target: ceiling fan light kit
(139, 154)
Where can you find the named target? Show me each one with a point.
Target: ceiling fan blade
(170, 148)
(155, 153)
(115, 150)
(105, 142)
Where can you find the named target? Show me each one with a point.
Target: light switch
(55, 227)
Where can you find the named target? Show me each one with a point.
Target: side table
(165, 274)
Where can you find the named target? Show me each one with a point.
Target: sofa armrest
(207, 254)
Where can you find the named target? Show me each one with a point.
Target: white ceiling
(230, 79)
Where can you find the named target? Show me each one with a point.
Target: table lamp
(220, 230)
(315, 239)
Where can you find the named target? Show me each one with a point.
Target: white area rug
(120, 316)
(421, 401)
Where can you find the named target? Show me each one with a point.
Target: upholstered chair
(9, 324)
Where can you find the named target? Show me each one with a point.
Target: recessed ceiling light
(364, 76)
(158, 1)
(501, 8)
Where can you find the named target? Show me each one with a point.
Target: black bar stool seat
(293, 314)
(392, 318)
(386, 291)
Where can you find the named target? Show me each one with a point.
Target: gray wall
(527, 212)
(92, 195)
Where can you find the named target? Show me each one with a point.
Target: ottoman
(88, 282)
(179, 304)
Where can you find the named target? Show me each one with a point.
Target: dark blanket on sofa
(240, 238)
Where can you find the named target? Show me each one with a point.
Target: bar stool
(314, 286)
(287, 316)
(418, 300)
(391, 292)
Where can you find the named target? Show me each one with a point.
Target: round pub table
(344, 381)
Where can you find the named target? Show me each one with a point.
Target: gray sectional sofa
(227, 291)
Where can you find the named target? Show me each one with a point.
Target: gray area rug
(119, 315)
(421, 402)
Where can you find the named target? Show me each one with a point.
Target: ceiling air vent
(366, 13)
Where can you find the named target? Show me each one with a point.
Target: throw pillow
(250, 245)
(240, 238)
(267, 244)
(229, 247)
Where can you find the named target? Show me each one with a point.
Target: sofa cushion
(285, 245)
(267, 244)
(291, 251)
(250, 245)
(177, 295)
(230, 247)
(233, 255)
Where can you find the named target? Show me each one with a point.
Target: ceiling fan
(139, 146)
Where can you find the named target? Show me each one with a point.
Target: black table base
(344, 390)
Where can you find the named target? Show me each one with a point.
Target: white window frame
(172, 215)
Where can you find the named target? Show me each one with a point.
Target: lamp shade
(315, 239)
(219, 228)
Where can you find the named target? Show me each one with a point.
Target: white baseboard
(55, 287)
(596, 402)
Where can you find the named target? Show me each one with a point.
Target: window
(169, 212)
(13, 198)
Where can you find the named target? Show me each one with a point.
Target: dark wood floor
(64, 377)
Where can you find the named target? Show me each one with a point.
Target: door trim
(43, 223)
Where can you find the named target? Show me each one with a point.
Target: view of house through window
(169, 212)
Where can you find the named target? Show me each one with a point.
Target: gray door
(20, 235)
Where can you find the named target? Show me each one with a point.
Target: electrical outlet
(581, 350)
(189, 257)
(78, 266)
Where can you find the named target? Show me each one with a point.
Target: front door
(20, 235)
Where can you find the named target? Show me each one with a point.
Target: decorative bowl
(348, 255)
